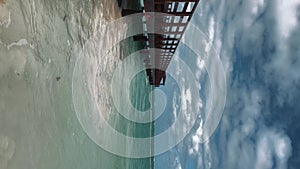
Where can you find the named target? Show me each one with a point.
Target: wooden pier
(173, 27)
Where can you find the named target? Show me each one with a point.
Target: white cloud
(196, 141)
(175, 105)
(256, 5)
(211, 29)
(245, 35)
(284, 65)
(287, 16)
(264, 156)
(274, 148)
(176, 164)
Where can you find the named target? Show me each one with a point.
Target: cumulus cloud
(273, 150)
(255, 40)
(177, 164)
(247, 46)
(196, 140)
(287, 16)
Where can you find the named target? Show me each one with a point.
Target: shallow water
(40, 42)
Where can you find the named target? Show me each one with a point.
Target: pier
(173, 26)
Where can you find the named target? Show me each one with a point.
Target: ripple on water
(7, 150)
(5, 15)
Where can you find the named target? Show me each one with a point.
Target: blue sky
(258, 43)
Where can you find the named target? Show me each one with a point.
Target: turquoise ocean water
(40, 42)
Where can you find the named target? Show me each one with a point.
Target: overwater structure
(173, 27)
